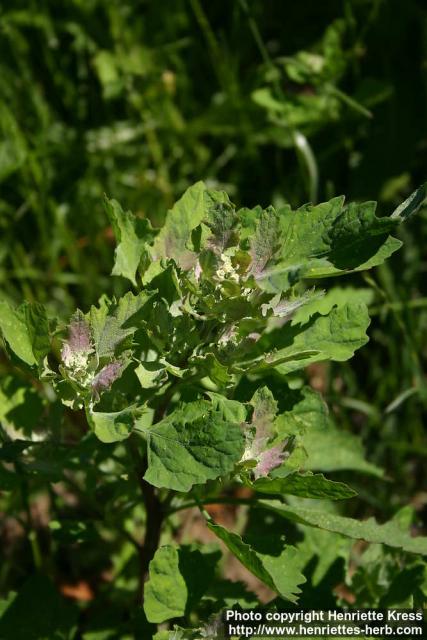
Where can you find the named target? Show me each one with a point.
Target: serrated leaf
(192, 445)
(131, 233)
(266, 241)
(26, 331)
(260, 432)
(390, 533)
(281, 573)
(333, 337)
(112, 427)
(185, 215)
(209, 364)
(230, 410)
(334, 297)
(220, 219)
(150, 374)
(331, 239)
(305, 485)
(114, 321)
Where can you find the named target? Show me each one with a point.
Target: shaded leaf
(281, 573)
(26, 331)
(305, 485)
(165, 594)
(38, 612)
(390, 533)
(112, 427)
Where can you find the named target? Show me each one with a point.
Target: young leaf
(112, 427)
(131, 233)
(281, 573)
(220, 220)
(261, 432)
(192, 445)
(185, 215)
(114, 321)
(265, 242)
(390, 533)
(230, 410)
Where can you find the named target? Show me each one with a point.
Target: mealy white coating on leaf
(78, 348)
(269, 460)
(105, 378)
(260, 432)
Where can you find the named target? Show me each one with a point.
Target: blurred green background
(272, 101)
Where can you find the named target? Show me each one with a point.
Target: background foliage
(275, 104)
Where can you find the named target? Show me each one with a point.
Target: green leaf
(348, 451)
(151, 374)
(20, 404)
(192, 445)
(266, 241)
(281, 573)
(411, 204)
(333, 337)
(178, 579)
(220, 219)
(331, 239)
(39, 612)
(112, 427)
(208, 364)
(131, 233)
(230, 410)
(305, 486)
(185, 215)
(317, 436)
(113, 321)
(166, 593)
(334, 297)
(26, 331)
(390, 533)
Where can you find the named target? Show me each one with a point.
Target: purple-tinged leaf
(105, 378)
(260, 432)
(265, 242)
(270, 459)
(265, 410)
(79, 338)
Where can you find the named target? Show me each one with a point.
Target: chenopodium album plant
(195, 377)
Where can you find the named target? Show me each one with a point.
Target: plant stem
(154, 514)
(193, 504)
(31, 531)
